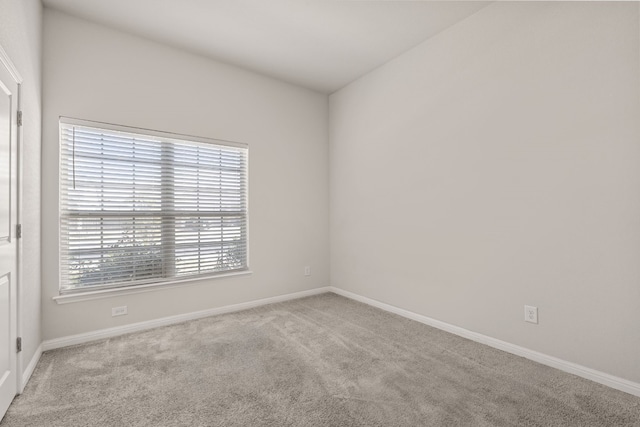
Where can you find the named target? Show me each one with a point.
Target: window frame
(134, 286)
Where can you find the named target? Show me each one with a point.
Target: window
(140, 207)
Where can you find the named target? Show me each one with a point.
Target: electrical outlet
(531, 314)
(307, 271)
(119, 311)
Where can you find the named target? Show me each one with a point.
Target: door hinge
(18, 344)
(19, 231)
(19, 118)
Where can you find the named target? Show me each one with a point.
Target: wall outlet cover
(531, 314)
(119, 311)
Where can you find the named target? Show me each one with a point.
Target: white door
(8, 244)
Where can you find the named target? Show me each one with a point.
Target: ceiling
(319, 44)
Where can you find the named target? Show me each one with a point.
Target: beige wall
(94, 73)
(497, 165)
(21, 38)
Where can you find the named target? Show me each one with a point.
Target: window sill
(108, 293)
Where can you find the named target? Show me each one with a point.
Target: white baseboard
(572, 368)
(164, 321)
(26, 374)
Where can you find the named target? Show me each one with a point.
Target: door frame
(13, 71)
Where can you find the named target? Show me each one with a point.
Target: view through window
(138, 208)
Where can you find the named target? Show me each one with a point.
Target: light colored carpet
(318, 361)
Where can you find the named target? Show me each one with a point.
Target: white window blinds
(139, 207)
